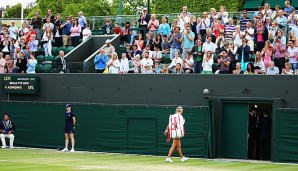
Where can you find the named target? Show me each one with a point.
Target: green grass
(42, 160)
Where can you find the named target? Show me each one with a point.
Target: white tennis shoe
(183, 159)
(64, 150)
(169, 160)
(3, 146)
(72, 150)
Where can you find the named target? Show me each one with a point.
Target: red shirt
(28, 37)
(117, 30)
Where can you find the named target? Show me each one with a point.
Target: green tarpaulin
(252, 4)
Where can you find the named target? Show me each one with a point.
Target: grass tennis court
(40, 160)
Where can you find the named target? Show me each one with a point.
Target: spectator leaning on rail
(107, 28)
(100, 61)
(82, 20)
(124, 65)
(7, 129)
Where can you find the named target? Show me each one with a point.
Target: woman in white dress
(175, 130)
(114, 64)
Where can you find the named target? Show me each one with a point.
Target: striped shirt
(230, 29)
(243, 22)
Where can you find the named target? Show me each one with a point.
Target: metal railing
(72, 67)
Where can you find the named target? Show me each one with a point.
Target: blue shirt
(82, 21)
(187, 44)
(164, 29)
(33, 46)
(272, 71)
(282, 20)
(31, 66)
(175, 44)
(66, 29)
(289, 10)
(100, 61)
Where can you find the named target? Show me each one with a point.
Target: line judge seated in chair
(62, 65)
(7, 129)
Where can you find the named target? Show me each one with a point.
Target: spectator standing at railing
(100, 61)
(288, 10)
(13, 31)
(82, 20)
(144, 20)
(109, 49)
(57, 33)
(36, 22)
(282, 21)
(49, 15)
(153, 26)
(280, 50)
(175, 42)
(48, 24)
(107, 28)
(66, 32)
(272, 70)
(31, 64)
(124, 65)
(75, 32)
(117, 30)
(86, 33)
(292, 54)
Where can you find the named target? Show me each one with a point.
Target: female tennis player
(175, 130)
(70, 122)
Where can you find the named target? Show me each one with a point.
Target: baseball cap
(67, 106)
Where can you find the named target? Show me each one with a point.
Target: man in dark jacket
(265, 132)
(252, 123)
(107, 28)
(144, 20)
(197, 54)
(62, 65)
(7, 129)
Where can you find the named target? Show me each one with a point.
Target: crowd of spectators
(215, 42)
(19, 45)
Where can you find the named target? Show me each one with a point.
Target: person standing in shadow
(265, 136)
(251, 136)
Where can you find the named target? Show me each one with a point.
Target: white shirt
(86, 32)
(175, 61)
(182, 21)
(208, 47)
(13, 32)
(2, 65)
(147, 61)
(46, 25)
(206, 24)
(157, 55)
(261, 65)
(291, 53)
(114, 69)
(207, 66)
(124, 66)
(250, 31)
(188, 62)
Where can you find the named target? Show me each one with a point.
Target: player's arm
(74, 121)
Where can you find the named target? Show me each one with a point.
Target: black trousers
(250, 147)
(260, 46)
(100, 70)
(265, 149)
(280, 63)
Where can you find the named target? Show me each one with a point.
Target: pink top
(260, 36)
(155, 22)
(75, 31)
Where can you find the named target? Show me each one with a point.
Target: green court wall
(109, 128)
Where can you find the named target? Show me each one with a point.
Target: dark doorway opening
(259, 131)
